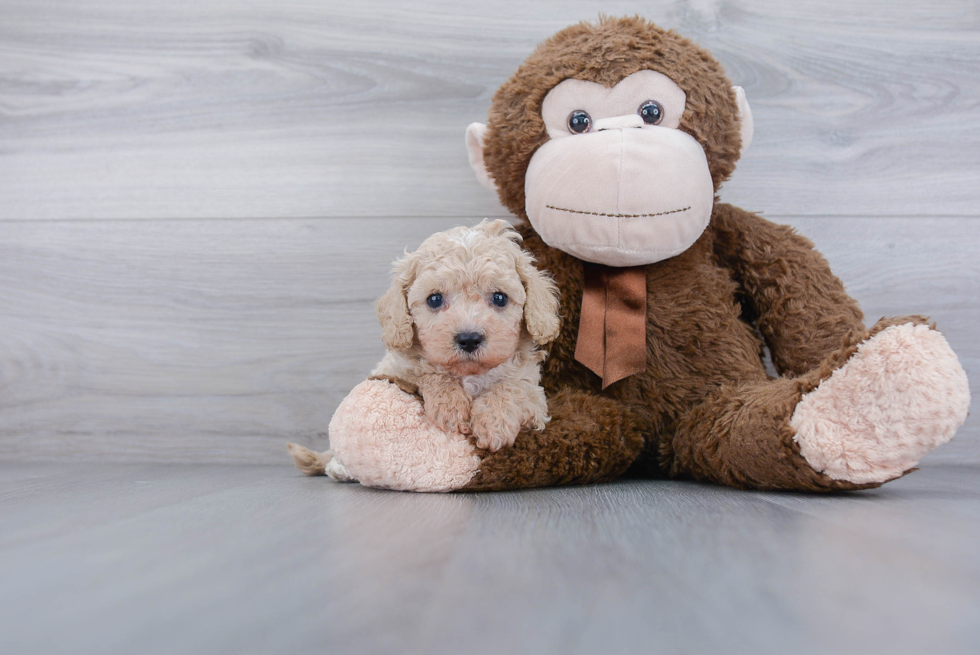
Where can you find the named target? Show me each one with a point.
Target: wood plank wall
(199, 200)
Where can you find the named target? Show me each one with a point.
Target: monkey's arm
(801, 308)
(590, 438)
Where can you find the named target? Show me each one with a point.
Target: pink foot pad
(899, 396)
(381, 436)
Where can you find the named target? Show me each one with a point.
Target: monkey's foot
(382, 438)
(899, 396)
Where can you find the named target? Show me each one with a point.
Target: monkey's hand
(447, 405)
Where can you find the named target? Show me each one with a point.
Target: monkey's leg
(589, 439)
(866, 416)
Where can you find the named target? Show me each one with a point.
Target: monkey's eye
(434, 301)
(579, 122)
(652, 112)
(499, 299)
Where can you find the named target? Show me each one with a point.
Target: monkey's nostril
(469, 341)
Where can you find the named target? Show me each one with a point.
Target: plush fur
(900, 395)
(606, 52)
(380, 437)
(704, 407)
(853, 407)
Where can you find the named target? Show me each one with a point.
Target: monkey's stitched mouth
(576, 211)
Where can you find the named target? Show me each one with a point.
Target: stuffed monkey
(610, 143)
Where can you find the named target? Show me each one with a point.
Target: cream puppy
(462, 321)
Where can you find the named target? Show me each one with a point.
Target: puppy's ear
(396, 323)
(541, 307)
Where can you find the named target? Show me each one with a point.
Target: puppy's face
(466, 297)
(467, 305)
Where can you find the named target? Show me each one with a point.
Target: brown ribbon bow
(613, 326)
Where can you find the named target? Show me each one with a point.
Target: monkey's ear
(541, 306)
(474, 147)
(397, 331)
(744, 118)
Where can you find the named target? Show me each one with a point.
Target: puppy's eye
(434, 301)
(579, 122)
(499, 299)
(652, 112)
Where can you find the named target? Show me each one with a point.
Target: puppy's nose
(469, 341)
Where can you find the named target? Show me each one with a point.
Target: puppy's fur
(493, 391)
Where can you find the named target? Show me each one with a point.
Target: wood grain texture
(144, 559)
(215, 339)
(220, 340)
(217, 109)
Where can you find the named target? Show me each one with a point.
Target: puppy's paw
(493, 430)
(449, 412)
(538, 423)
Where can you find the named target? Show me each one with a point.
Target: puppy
(462, 321)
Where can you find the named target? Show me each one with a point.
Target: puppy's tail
(309, 462)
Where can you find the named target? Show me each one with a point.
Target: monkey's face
(617, 183)
(612, 139)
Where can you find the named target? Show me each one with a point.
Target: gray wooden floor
(135, 559)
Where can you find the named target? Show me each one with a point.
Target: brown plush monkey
(610, 142)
